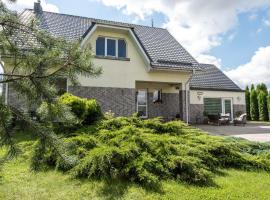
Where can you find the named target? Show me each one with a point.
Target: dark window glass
(111, 47)
(122, 49)
(100, 46)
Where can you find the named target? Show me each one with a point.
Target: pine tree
(37, 59)
(262, 104)
(254, 112)
(248, 102)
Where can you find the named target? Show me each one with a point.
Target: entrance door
(142, 103)
(227, 107)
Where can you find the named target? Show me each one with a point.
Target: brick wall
(121, 101)
(167, 109)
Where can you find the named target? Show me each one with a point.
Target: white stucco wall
(197, 96)
(124, 74)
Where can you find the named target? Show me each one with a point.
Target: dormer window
(111, 47)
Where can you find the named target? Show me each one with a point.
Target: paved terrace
(253, 131)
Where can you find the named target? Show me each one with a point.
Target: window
(100, 46)
(212, 106)
(121, 48)
(111, 47)
(142, 103)
(157, 96)
(215, 106)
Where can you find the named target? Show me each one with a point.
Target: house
(145, 70)
(211, 92)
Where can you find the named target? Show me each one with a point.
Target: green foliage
(262, 103)
(268, 105)
(86, 110)
(254, 110)
(34, 59)
(247, 94)
(148, 151)
(262, 87)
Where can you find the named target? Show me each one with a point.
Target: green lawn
(17, 182)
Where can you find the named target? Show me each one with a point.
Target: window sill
(112, 58)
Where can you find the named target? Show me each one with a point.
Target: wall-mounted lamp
(238, 98)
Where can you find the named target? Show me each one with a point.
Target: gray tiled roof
(163, 51)
(212, 78)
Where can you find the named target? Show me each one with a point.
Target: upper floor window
(111, 47)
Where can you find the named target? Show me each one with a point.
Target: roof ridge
(96, 19)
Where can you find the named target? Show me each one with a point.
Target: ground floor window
(142, 103)
(215, 106)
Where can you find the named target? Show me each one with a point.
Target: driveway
(253, 131)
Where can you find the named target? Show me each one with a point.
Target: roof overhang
(216, 89)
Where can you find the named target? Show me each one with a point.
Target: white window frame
(146, 105)
(116, 46)
(223, 106)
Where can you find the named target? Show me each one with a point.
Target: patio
(253, 131)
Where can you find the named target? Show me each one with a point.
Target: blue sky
(233, 34)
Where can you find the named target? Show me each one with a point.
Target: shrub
(86, 110)
(147, 151)
(78, 105)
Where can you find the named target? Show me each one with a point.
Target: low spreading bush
(147, 151)
(86, 110)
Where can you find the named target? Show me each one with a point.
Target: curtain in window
(213, 106)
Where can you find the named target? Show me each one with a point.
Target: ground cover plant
(148, 151)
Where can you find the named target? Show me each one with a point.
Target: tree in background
(268, 105)
(36, 60)
(254, 111)
(252, 87)
(262, 87)
(262, 104)
(248, 102)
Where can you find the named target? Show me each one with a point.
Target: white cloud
(22, 4)
(198, 25)
(259, 30)
(253, 16)
(266, 22)
(202, 58)
(257, 70)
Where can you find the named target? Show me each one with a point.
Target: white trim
(141, 49)
(146, 105)
(119, 28)
(106, 46)
(223, 106)
(88, 35)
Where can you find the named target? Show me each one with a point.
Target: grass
(18, 182)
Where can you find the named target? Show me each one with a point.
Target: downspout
(187, 103)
